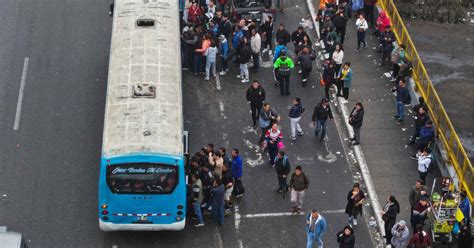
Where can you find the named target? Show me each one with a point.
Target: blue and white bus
(142, 183)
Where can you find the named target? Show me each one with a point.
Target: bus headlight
(104, 206)
(179, 218)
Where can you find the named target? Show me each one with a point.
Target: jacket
(224, 48)
(338, 57)
(346, 241)
(211, 54)
(426, 134)
(287, 62)
(243, 54)
(340, 23)
(420, 242)
(420, 120)
(205, 45)
(415, 194)
(328, 74)
(278, 50)
(361, 25)
(400, 237)
(348, 79)
(236, 167)
(226, 28)
(320, 113)
(306, 60)
(282, 166)
(256, 96)
(382, 21)
(296, 111)
(283, 36)
(297, 37)
(351, 204)
(266, 118)
(236, 39)
(387, 39)
(403, 94)
(255, 43)
(356, 118)
(391, 213)
(299, 183)
(320, 225)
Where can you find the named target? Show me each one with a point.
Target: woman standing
(355, 120)
(345, 77)
(346, 238)
(337, 57)
(273, 137)
(355, 199)
(389, 216)
(362, 27)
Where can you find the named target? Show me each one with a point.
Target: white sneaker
(207, 79)
(264, 50)
(270, 52)
(245, 80)
(354, 222)
(222, 73)
(300, 71)
(239, 76)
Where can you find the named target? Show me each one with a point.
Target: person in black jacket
(297, 36)
(420, 120)
(320, 115)
(340, 23)
(355, 199)
(283, 35)
(267, 33)
(403, 97)
(244, 54)
(346, 238)
(305, 60)
(255, 97)
(329, 70)
(282, 167)
(386, 40)
(355, 120)
(389, 216)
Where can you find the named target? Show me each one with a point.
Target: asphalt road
(49, 170)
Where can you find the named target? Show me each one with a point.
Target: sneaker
(396, 117)
(354, 222)
(207, 79)
(264, 50)
(393, 79)
(279, 191)
(239, 195)
(199, 224)
(355, 143)
(414, 157)
(245, 80)
(240, 76)
(222, 73)
(365, 45)
(298, 211)
(300, 71)
(270, 52)
(300, 133)
(400, 121)
(292, 137)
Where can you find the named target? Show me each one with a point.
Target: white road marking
(218, 82)
(236, 217)
(221, 108)
(220, 244)
(264, 215)
(19, 104)
(330, 157)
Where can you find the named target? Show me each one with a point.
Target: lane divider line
(19, 104)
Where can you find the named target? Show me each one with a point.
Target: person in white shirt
(424, 161)
(362, 27)
(255, 45)
(338, 56)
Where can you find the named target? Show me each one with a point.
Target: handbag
(280, 145)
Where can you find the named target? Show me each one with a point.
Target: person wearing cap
(297, 36)
(320, 115)
(316, 226)
(418, 214)
(424, 162)
(284, 65)
(400, 234)
(223, 53)
(386, 40)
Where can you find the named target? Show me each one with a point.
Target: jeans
(256, 60)
(360, 39)
(197, 211)
(321, 126)
(314, 237)
(218, 212)
(401, 110)
(272, 151)
(369, 14)
(197, 63)
(282, 183)
(305, 74)
(357, 134)
(351, 219)
(342, 34)
(345, 93)
(225, 67)
(284, 84)
(295, 126)
(255, 108)
(297, 198)
(210, 65)
(262, 136)
(244, 71)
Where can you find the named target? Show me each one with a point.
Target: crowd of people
(211, 40)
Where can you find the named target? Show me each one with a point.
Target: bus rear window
(142, 178)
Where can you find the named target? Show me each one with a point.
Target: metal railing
(457, 156)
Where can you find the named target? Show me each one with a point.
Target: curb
(374, 199)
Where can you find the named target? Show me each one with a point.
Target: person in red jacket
(194, 13)
(382, 22)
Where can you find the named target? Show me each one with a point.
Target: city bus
(142, 183)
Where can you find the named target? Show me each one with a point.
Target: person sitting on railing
(386, 40)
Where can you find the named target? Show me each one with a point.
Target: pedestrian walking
(421, 117)
(244, 55)
(316, 226)
(255, 45)
(299, 183)
(267, 117)
(361, 25)
(218, 201)
(273, 138)
(329, 71)
(282, 167)
(416, 192)
(420, 239)
(355, 120)
(284, 65)
(355, 199)
(424, 163)
(236, 168)
(211, 55)
(321, 113)
(400, 234)
(197, 198)
(345, 77)
(295, 116)
(305, 60)
(402, 97)
(346, 238)
(255, 97)
(389, 216)
(297, 36)
(224, 54)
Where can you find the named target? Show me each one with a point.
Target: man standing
(223, 52)
(282, 35)
(284, 65)
(424, 162)
(386, 40)
(416, 192)
(282, 167)
(197, 198)
(255, 45)
(421, 117)
(316, 226)
(218, 201)
(297, 36)
(427, 134)
(305, 60)
(244, 54)
(299, 183)
(355, 120)
(255, 97)
(295, 116)
(237, 173)
(403, 97)
(320, 115)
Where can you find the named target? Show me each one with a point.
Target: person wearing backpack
(299, 183)
(295, 116)
(282, 167)
(424, 162)
(403, 98)
(316, 226)
(284, 65)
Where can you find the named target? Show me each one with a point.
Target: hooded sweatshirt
(383, 21)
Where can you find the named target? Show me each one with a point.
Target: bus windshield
(142, 178)
(249, 3)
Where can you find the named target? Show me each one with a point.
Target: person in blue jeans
(321, 113)
(197, 198)
(403, 97)
(218, 201)
(316, 226)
